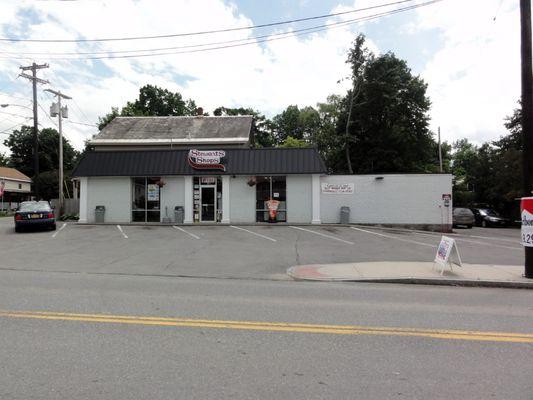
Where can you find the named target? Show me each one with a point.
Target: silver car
(463, 217)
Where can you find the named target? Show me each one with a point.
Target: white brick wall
(395, 199)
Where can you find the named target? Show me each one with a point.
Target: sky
(467, 51)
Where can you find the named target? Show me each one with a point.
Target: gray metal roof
(164, 129)
(266, 161)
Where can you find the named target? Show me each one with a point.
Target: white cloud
(474, 79)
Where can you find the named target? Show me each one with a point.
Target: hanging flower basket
(161, 183)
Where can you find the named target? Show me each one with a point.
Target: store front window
(271, 189)
(146, 200)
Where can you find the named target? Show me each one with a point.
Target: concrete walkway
(415, 272)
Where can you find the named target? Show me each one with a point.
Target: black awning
(266, 161)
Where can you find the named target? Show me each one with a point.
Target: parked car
(463, 216)
(486, 217)
(36, 214)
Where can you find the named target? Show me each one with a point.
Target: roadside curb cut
(411, 280)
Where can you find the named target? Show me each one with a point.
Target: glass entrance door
(208, 204)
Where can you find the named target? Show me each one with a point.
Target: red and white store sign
(206, 159)
(526, 211)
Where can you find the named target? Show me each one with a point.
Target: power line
(252, 41)
(206, 32)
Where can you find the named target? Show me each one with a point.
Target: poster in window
(153, 192)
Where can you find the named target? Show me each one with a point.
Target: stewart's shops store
(204, 170)
(143, 168)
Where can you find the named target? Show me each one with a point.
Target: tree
(293, 142)
(261, 130)
(20, 142)
(301, 124)
(152, 101)
(382, 122)
(4, 160)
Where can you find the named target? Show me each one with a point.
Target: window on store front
(146, 200)
(271, 188)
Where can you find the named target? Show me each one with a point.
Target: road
(149, 337)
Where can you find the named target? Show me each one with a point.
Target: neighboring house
(14, 188)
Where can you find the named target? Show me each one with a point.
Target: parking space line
(394, 237)
(486, 244)
(253, 233)
(60, 229)
(121, 231)
(322, 234)
(434, 233)
(184, 231)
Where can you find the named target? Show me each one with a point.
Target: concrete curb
(411, 280)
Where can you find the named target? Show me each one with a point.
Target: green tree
(293, 142)
(381, 124)
(152, 101)
(4, 160)
(261, 126)
(301, 124)
(20, 142)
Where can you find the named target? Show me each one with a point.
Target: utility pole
(527, 115)
(60, 112)
(440, 154)
(33, 77)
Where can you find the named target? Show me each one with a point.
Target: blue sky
(469, 61)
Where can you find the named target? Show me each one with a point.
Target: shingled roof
(199, 129)
(14, 174)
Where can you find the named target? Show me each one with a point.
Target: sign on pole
(526, 213)
(447, 254)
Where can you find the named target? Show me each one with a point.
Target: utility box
(99, 214)
(345, 215)
(179, 214)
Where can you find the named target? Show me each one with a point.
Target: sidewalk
(509, 276)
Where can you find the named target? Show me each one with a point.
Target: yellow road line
(276, 326)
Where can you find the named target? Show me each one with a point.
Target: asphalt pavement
(96, 352)
(260, 252)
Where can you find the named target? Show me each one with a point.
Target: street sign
(447, 254)
(526, 214)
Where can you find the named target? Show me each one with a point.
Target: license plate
(35, 216)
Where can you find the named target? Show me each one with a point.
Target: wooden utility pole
(61, 113)
(33, 77)
(527, 115)
(440, 154)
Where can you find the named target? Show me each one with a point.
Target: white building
(142, 168)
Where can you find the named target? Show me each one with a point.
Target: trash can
(345, 215)
(179, 214)
(99, 214)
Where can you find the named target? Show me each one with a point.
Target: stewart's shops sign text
(526, 209)
(206, 159)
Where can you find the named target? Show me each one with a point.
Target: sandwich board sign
(447, 254)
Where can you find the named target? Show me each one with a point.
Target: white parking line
(451, 234)
(394, 237)
(184, 231)
(322, 234)
(60, 229)
(121, 231)
(253, 233)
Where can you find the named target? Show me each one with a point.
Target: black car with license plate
(34, 214)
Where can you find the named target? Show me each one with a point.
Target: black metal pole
(527, 114)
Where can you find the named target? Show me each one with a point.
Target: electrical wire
(206, 32)
(250, 41)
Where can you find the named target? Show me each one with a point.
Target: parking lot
(263, 251)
